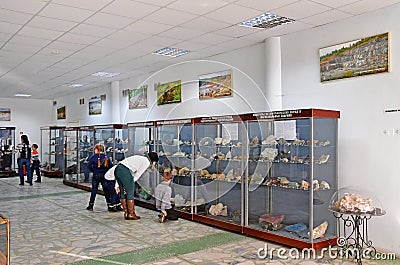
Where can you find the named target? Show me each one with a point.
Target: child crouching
(163, 199)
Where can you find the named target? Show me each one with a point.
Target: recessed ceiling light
(55, 52)
(75, 85)
(172, 52)
(22, 95)
(105, 74)
(266, 21)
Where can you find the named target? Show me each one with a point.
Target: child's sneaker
(161, 217)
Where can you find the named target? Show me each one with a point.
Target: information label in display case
(52, 151)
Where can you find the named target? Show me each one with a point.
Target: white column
(273, 74)
(115, 103)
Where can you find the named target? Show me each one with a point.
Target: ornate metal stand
(353, 235)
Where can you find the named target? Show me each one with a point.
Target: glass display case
(219, 169)
(175, 149)
(114, 137)
(4, 240)
(7, 155)
(51, 151)
(141, 140)
(79, 143)
(292, 174)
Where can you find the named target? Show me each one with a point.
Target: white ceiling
(48, 45)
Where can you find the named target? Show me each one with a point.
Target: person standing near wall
(24, 159)
(126, 173)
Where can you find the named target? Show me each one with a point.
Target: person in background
(162, 194)
(99, 164)
(35, 167)
(126, 173)
(24, 159)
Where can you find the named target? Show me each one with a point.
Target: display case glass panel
(174, 147)
(141, 140)
(71, 157)
(52, 151)
(115, 140)
(7, 154)
(292, 174)
(220, 168)
(85, 151)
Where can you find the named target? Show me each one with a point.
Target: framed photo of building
(61, 113)
(95, 106)
(5, 114)
(216, 85)
(138, 97)
(170, 92)
(359, 57)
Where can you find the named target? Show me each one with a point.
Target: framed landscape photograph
(5, 114)
(138, 97)
(364, 56)
(61, 113)
(170, 92)
(216, 85)
(95, 106)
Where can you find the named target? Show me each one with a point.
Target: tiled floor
(50, 225)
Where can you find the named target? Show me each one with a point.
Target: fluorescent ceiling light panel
(76, 85)
(171, 52)
(22, 95)
(105, 74)
(266, 21)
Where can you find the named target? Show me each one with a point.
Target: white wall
(27, 116)
(368, 159)
(78, 115)
(248, 85)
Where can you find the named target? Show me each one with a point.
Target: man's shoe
(21, 184)
(38, 181)
(90, 207)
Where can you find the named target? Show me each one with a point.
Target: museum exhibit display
(52, 151)
(7, 154)
(115, 139)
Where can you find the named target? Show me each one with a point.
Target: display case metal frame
(52, 151)
(7, 138)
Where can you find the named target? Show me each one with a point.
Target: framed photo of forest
(359, 57)
(170, 92)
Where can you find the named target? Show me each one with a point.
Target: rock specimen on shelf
(315, 184)
(225, 141)
(324, 185)
(184, 171)
(218, 209)
(269, 154)
(354, 203)
(228, 155)
(179, 200)
(270, 140)
(218, 140)
(255, 141)
(319, 231)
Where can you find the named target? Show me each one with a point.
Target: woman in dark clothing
(99, 164)
(24, 158)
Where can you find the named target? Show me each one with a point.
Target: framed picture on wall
(5, 114)
(216, 85)
(95, 106)
(138, 97)
(359, 57)
(61, 113)
(170, 92)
